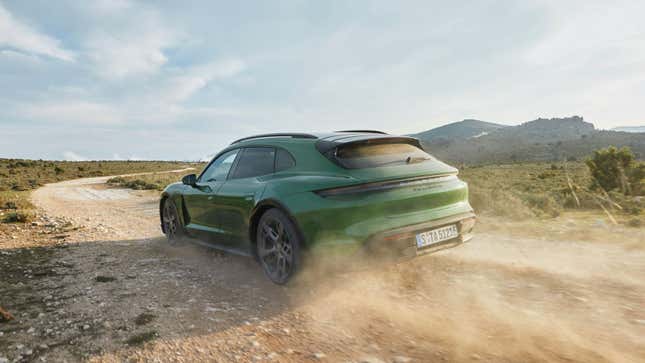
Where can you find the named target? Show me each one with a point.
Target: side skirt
(233, 251)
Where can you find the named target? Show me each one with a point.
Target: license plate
(428, 238)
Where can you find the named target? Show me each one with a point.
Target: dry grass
(18, 177)
(526, 190)
(156, 181)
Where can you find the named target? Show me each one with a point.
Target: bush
(543, 203)
(546, 174)
(139, 184)
(613, 168)
(116, 180)
(17, 217)
(9, 205)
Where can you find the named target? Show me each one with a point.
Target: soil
(94, 280)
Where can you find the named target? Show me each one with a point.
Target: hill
(537, 140)
(459, 130)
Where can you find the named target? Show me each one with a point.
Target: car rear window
(283, 160)
(358, 156)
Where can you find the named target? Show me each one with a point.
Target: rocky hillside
(538, 140)
(460, 130)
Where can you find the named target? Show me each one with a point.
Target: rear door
(238, 195)
(201, 202)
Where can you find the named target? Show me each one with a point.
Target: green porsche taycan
(353, 195)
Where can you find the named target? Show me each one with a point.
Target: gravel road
(94, 280)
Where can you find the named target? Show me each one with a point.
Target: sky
(124, 79)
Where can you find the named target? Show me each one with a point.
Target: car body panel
(237, 199)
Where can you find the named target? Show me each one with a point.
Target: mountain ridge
(461, 129)
(542, 139)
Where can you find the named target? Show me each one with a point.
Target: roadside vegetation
(156, 181)
(611, 181)
(18, 177)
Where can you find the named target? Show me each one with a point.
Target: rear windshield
(358, 156)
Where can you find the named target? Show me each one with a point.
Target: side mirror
(190, 179)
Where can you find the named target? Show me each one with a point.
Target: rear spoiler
(327, 146)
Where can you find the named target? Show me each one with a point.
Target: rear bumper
(400, 243)
(395, 245)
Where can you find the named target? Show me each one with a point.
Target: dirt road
(112, 290)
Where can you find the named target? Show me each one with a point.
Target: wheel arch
(162, 200)
(257, 213)
(179, 203)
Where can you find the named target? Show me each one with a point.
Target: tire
(278, 246)
(171, 223)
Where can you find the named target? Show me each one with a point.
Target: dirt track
(110, 286)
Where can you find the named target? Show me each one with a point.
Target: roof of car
(336, 136)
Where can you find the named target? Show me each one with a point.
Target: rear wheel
(278, 246)
(172, 224)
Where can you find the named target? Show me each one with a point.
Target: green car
(345, 195)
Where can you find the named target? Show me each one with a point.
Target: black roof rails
(365, 131)
(294, 135)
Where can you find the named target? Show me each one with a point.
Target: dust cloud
(489, 300)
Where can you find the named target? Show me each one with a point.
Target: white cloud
(72, 111)
(18, 35)
(117, 57)
(180, 88)
(19, 57)
(72, 156)
(132, 43)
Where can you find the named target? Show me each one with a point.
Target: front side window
(364, 155)
(254, 161)
(218, 170)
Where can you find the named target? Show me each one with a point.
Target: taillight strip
(390, 184)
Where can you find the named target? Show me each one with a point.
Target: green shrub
(613, 168)
(17, 217)
(142, 338)
(116, 180)
(139, 184)
(9, 205)
(546, 174)
(544, 204)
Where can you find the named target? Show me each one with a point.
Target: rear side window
(283, 160)
(254, 161)
(358, 156)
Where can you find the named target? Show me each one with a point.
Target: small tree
(613, 168)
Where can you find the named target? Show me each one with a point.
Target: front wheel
(171, 223)
(278, 246)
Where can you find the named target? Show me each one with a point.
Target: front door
(201, 202)
(239, 194)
